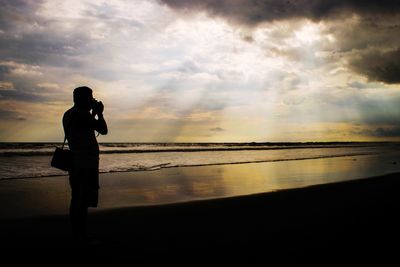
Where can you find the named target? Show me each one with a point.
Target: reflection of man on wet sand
(80, 124)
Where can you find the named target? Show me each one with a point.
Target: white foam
(37, 165)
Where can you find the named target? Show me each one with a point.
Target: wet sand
(354, 220)
(46, 196)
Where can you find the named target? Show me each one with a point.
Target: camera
(97, 106)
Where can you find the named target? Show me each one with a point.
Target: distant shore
(357, 219)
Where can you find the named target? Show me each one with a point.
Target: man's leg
(78, 207)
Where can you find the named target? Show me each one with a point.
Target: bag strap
(65, 140)
(67, 130)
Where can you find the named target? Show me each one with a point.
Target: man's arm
(101, 125)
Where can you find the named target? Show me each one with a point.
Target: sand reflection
(194, 183)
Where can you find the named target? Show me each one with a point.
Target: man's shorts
(84, 184)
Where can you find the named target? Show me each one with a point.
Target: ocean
(32, 160)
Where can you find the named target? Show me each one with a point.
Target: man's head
(83, 97)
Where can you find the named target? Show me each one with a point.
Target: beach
(334, 220)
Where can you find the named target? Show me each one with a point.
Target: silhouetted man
(80, 124)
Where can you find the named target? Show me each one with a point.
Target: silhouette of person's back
(80, 124)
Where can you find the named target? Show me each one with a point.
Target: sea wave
(31, 164)
(169, 165)
(51, 172)
(47, 149)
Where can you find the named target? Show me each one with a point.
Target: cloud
(22, 82)
(17, 10)
(369, 45)
(4, 85)
(254, 12)
(45, 44)
(380, 132)
(4, 71)
(30, 38)
(10, 115)
(22, 96)
(17, 69)
(359, 33)
(358, 85)
(388, 132)
(357, 26)
(217, 129)
(378, 65)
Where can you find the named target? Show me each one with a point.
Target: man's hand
(98, 108)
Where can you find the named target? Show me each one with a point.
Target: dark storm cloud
(371, 46)
(372, 31)
(253, 12)
(378, 65)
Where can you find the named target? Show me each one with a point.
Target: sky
(203, 70)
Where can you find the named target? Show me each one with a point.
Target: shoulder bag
(62, 158)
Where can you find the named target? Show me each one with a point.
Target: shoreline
(345, 219)
(25, 198)
(165, 165)
(38, 166)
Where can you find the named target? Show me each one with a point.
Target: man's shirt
(79, 127)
